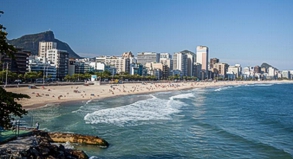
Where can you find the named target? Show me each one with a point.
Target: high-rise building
(44, 47)
(234, 70)
(189, 61)
(129, 60)
(213, 61)
(121, 64)
(197, 70)
(180, 63)
(272, 72)
(60, 59)
(202, 55)
(257, 69)
(166, 59)
(145, 57)
(165, 56)
(18, 64)
(221, 68)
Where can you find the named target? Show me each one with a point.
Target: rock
(79, 154)
(43, 148)
(77, 138)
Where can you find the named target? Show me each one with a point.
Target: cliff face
(31, 43)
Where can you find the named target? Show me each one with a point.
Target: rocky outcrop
(77, 138)
(39, 146)
(31, 43)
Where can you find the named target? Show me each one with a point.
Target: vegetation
(8, 105)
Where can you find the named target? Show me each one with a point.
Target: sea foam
(148, 111)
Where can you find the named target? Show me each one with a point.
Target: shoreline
(50, 95)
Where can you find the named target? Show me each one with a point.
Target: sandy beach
(42, 96)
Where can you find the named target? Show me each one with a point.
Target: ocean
(249, 121)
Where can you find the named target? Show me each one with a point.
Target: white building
(36, 65)
(145, 57)
(180, 63)
(44, 47)
(286, 74)
(121, 64)
(272, 72)
(165, 56)
(234, 70)
(202, 56)
(60, 59)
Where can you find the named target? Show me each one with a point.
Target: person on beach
(37, 126)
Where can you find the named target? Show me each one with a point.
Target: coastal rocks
(77, 138)
(38, 145)
(44, 151)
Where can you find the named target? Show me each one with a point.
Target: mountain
(31, 43)
(266, 65)
(187, 52)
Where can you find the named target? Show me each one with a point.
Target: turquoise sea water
(251, 121)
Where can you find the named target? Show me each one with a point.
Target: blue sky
(248, 32)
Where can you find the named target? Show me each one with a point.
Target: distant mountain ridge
(266, 65)
(31, 43)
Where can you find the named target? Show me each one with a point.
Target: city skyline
(245, 32)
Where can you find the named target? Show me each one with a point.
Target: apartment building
(60, 59)
(44, 47)
(202, 55)
(145, 57)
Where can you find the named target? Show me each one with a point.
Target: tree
(5, 48)
(9, 108)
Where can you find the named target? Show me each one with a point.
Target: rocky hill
(31, 43)
(266, 65)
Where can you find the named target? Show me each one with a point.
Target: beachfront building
(145, 57)
(18, 64)
(136, 69)
(180, 63)
(190, 59)
(202, 55)
(248, 72)
(71, 67)
(221, 69)
(286, 74)
(60, 59)
(44, 47)
(176, 72)
(257, 69)
(272, 72)
(82, 67)
(161, 71)
(36, 64)
(197, 70)
(264, 70)
(213, 61)
(167, 61)
(291, 74)
(129, 57)
(234, 70)
(122, 64)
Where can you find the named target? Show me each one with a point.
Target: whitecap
(147, 111)
(222, 88)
